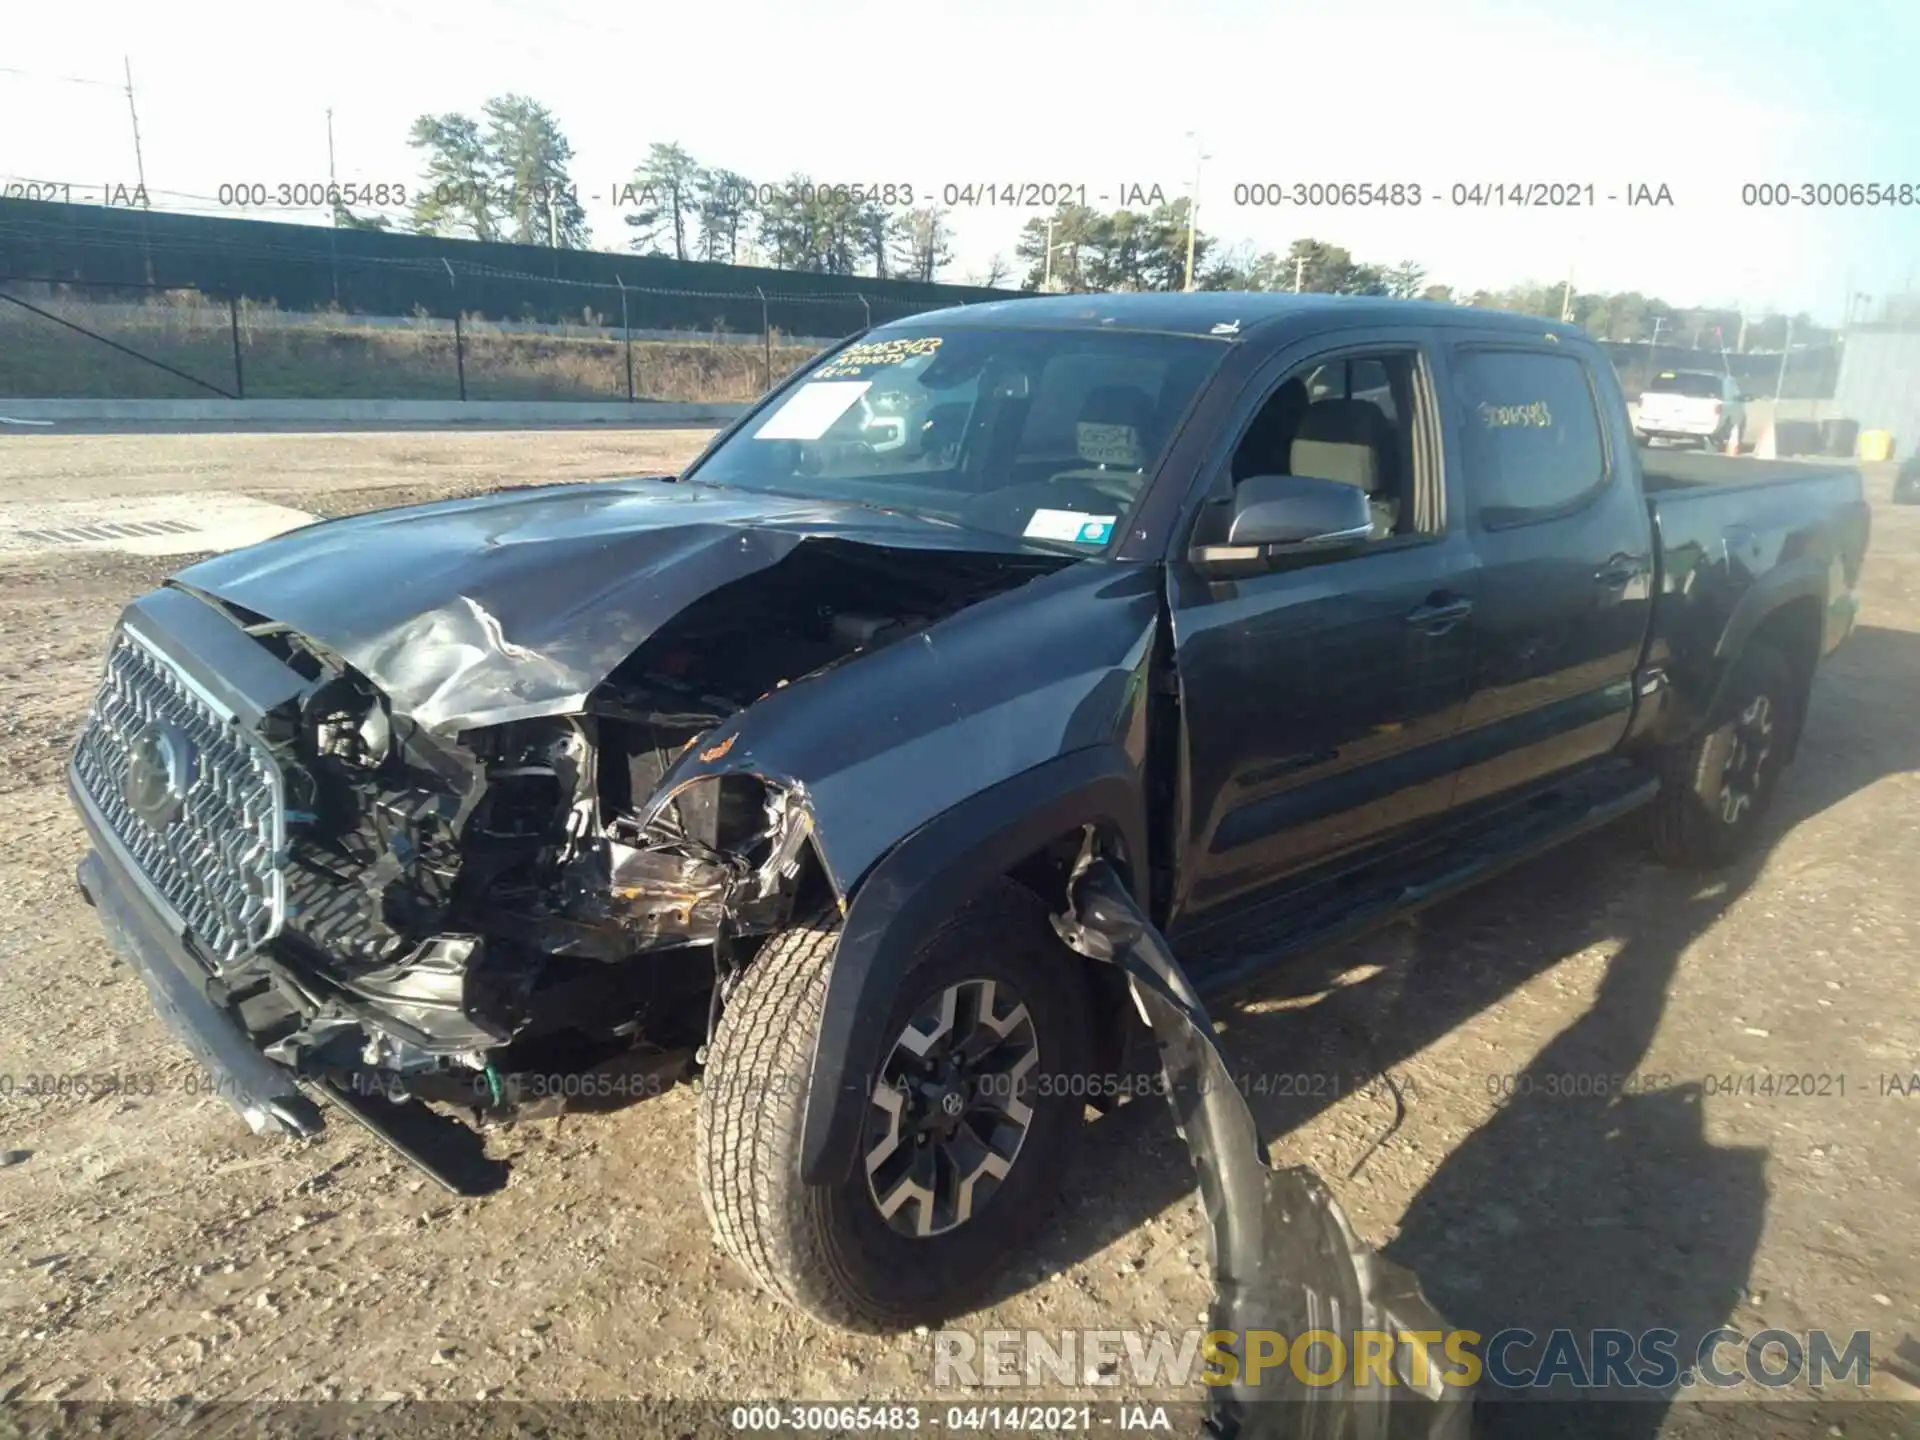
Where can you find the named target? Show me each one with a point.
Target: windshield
(1043, 435)
(1695, 384)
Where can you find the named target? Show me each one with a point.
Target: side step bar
(1412, 879)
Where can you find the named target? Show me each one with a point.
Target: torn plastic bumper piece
(266, 1095)
(1285, 1258)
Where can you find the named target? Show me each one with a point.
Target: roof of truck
(1223, 313)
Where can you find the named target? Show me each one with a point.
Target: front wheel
(1715, 789)
(968, 1126)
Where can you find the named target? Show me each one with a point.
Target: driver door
(1318, 698)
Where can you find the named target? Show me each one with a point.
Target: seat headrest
(1340, 440)
(1111, 427)
(1343, 422)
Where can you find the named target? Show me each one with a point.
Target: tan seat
(1352, 442)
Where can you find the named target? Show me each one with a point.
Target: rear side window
(1531, 431)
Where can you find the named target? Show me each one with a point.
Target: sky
(1702, 97)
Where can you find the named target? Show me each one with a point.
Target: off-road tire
(1690, 828)
(826, 1249)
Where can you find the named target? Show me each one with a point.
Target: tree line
(506, 175)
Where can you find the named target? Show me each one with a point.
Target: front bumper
(266, 1094)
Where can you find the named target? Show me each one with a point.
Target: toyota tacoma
(1287, 613)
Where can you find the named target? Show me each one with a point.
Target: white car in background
(1695, 405)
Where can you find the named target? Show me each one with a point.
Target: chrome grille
(195, 800)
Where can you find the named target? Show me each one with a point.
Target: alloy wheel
(951, 1107)
(1748, 741)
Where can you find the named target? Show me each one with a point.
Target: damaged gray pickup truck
(1283, 614)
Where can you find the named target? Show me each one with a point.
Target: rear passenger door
(1566, 563)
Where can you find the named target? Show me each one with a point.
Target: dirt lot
(149, 1247)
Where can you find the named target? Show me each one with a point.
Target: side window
(1343, 419)
(1531, 431)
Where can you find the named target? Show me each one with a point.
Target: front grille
(196, 800)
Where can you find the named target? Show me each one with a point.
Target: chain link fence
(579, 341)
(129, 341)
(1803, 373)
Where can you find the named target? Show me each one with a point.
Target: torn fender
(889, 745)
(1285, 1259)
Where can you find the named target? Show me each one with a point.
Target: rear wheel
(965, 1137)
(1715, 790)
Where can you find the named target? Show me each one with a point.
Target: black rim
(1745, 743)
(951, 1107)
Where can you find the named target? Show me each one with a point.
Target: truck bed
(1726, 527)
(1666, 471)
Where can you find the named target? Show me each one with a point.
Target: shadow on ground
(1611, 1211)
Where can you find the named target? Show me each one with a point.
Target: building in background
(1879, 382)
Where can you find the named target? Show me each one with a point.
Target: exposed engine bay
(543, 897)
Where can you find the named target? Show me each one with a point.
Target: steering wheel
(1008, 510)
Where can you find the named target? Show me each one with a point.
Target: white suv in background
(1694, 405)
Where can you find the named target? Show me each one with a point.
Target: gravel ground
(150, 1247)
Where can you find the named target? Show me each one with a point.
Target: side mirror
(1274, 517)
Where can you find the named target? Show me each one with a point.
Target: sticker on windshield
(1074, 526)
(856, 359)
(811, 410)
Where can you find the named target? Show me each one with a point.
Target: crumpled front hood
(476, 612)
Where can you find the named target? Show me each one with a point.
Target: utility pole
(139, 168)
(333, 200)
(1046, 277)
(1193, 207)
(1299, 269)
(553, 224)
(139, 162)
(1566, 300)
(1653, 345)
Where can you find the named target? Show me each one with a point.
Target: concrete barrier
(376, 412)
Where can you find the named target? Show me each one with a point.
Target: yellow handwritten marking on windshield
(1501, 417)
(857, 358)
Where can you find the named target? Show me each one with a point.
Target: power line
(64, 79)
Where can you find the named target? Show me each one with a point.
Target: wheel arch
(1794, 628)
(1010, 830)
(1786, 609)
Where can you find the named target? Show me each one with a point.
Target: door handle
(1620, 571)
(1440, 613)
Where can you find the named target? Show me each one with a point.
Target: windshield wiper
(1046, 547)
(1051, 547)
